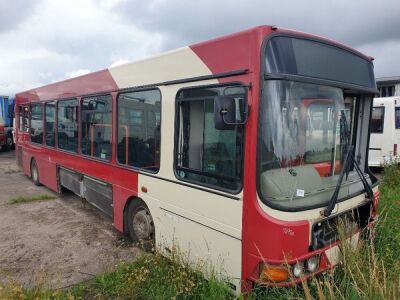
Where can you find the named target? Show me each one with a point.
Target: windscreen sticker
(300, 193)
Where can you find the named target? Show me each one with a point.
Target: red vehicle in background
(245, 151)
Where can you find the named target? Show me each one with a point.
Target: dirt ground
(59, 242)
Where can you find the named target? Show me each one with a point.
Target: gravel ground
(57, 242)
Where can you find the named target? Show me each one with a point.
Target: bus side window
(36, 127)
(50, 124)
(205, 155)
(97, 126)
(20, 118)
(25, 118)
(67, 124)
(397, 117)
(378, 114)
(139, 129)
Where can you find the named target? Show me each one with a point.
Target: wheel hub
(34, 173)
(143, 224)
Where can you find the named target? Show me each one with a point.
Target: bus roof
(219, 55)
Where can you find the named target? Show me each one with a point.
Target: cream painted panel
(178, 64)
(203, 204)
(218, 212)
(204, 226)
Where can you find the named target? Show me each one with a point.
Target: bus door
(22, 131)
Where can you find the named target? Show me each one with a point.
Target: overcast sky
(44, 41)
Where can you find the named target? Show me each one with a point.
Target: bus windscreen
(303, 57)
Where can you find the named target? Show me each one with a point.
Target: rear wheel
(9, 142)
(140, 225)
(35, 173)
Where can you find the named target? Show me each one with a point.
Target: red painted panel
(124, 181)
(91, 83)
(232, 52)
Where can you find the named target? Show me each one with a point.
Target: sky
(44, 41)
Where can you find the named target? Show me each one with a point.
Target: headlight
(312, 264)
(298, 269)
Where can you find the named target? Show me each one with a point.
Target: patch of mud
(57, 243)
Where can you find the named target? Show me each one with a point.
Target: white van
(385, 131)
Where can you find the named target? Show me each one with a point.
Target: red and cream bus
(245, 151)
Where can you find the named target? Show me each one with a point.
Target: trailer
(6, 123)
(385, 132)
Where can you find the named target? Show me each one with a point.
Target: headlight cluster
(280, 273)
(310, 265)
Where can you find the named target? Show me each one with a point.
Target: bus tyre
(9, 142)
(35, 173)
(140, 225)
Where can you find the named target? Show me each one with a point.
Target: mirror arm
(246, 116)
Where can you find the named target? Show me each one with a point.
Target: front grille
(328, 231)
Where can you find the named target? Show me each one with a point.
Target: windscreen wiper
(349, 158)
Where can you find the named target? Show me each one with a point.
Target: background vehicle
(218, 148)
(385, 131)
(6, 123)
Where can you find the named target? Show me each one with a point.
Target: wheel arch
(126, 207)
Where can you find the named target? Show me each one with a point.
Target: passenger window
(377, 119)
(36, 128)
(139, 129)
(23, 114)
(96, 116)
(20, 118)
(205, 155)
(50, 124)
(397, 117)
(67, 125)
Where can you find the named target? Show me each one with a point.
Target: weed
(28, 199)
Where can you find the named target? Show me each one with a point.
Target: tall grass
(370, 271)
(155, 277)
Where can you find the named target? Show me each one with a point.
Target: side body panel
(381, 150)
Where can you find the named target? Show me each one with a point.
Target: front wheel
(140, 225)
(35, 173)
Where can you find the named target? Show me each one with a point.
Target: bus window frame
(115, 147)
(45, 103)
(23, 108)
(383, 119)
(264, 75)
(396, 124)
(112, 128)
(346, 87)
(30, 122)
(77, 99)
(197, 184)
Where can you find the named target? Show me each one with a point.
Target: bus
(6, 123)
(245, 151)
(385, 132)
